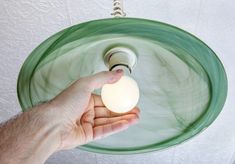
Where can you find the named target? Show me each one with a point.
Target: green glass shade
(182, 83)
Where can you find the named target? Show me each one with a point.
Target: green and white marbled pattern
(182, 83)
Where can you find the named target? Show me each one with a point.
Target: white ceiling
(26, 23)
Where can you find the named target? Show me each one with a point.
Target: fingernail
(137, 116)
(125, 127)
(119, 71)
(134, 121)
(138, 111)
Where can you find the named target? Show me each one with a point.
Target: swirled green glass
(182, 82)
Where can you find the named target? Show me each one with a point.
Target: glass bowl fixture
(178, 82)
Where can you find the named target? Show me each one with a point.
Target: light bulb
(121, 96)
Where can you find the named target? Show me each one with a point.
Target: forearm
(29, 138)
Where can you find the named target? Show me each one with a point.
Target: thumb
(98, 80)
(87, 84)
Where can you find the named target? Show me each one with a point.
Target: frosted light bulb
(121, 96)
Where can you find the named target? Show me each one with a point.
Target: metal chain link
(118, 9)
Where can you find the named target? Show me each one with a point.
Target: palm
(97, 122)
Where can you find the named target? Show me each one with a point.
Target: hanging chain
(118, 9)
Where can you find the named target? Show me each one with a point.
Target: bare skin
(75, 117)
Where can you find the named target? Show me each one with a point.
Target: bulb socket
(120, 58)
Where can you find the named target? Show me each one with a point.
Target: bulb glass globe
(121, 96)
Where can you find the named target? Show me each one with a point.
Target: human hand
(82, 116)
(74, 117)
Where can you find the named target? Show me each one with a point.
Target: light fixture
(123, 95)
(181, 81)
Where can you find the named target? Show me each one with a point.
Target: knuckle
(84, 83)
(105, 73)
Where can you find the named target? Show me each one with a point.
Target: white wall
(26, 23)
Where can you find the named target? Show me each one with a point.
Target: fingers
(110, 124)
(87, 117)
(109, 129)
(104, 112)
(98, 80)
(97, 101)
(131, 118)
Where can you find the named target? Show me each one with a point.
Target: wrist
(49, 123)
(45, 133)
